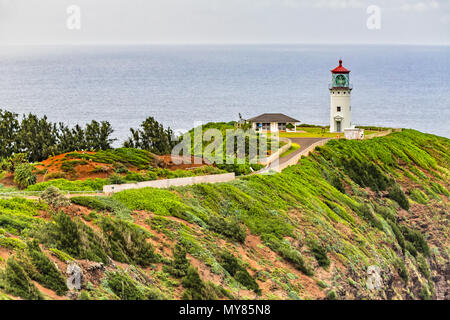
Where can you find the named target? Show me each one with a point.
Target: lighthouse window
(338, 109)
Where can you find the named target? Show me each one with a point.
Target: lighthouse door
(338, 126)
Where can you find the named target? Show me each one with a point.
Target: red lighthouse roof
(340, 69)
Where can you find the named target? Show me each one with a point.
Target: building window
(338, 109)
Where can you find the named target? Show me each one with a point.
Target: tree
(152, 137)
(37, 137)
(9, 127)
(71, 139)
(24, 176)
(98, 135)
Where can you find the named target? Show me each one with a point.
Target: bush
(401, 269)
(125, 287)
(134, 176)
(331, 295)
(116, 179)
(55, 175)
(417, 240)
(291, 255)
(396, 193)
(93, 203)
(195, 288)
(43, 270)
(74, 238)
(238, 271)
(54, 198)
(24, 176)
(423, 266)
(320, 253)
(128, 242)
(18, 283)
(229, 227)
(180, 264)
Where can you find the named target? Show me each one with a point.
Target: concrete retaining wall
(166, 183)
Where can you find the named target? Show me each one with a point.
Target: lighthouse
(340, 92)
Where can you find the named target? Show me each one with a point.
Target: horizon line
(223, 44)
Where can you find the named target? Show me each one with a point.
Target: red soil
(52, 165)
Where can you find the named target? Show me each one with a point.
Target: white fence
(166, 183)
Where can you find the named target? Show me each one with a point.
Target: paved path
(304, 144)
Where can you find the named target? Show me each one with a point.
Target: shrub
(195, 288)
(396, 193)
(18, 283)
(128, 242)
(289, 254)
(24, 176)
(150, 175)
(331, 295)
(93, 203)
(419, 196)
(229, 227)
(134, 176)
(320, 253)
(417, 240)
(74, 238)
(54, 198)
(69, 166)
(55, 175)
(116, 179)
(11, 243)
(423, 266)
(180, 264)
(43, 270)
(125, 287)
(120, 168)
(365, 211)
(238, 271)
(401, 269)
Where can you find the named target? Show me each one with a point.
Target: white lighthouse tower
(340, 92)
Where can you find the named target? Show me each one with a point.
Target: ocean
(180, 85)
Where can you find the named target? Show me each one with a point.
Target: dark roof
(273, 117)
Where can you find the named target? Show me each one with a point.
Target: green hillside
(310, 232)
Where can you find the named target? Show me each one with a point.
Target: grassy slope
(309, 232)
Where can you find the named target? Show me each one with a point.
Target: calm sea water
(399, 86)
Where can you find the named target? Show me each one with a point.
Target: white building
(274, 122)
(340, 92)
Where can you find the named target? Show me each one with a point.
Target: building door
(338, 126)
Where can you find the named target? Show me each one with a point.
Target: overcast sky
(224, 21)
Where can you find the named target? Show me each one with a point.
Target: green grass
(124, 156)
(294, 147)
(67, 185)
